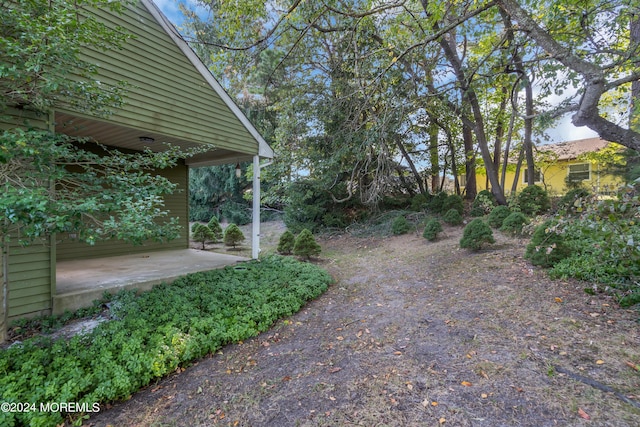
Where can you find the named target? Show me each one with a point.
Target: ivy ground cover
(151, 335)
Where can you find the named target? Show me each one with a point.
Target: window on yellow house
(537, 176)
(579, 172)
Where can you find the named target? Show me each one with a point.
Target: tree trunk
(434, 155)
(594, 85)
(634, 114)
(412, 166)
(470, 185)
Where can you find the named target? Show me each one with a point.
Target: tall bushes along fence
(151, 335)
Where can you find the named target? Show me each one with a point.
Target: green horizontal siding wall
(166, 93)
(29, 278)
(30, 271)
(177, 204)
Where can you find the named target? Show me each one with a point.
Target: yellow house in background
(560, 167)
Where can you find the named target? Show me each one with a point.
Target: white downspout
(255, 235)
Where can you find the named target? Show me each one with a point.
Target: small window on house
(580, 172)
(537, 176)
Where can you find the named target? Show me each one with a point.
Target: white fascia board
(264, 150)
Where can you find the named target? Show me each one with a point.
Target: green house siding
(177, 204)
(166, 93)
(29, 279)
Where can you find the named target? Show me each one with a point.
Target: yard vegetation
(152, 334)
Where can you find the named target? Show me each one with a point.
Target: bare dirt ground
(414, 333)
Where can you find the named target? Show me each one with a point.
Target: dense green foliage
(453, 201)
(476, 235)
(305, 245)
(233, 235)
(216, 229)
(400, 225)
(452, 217)
(513, 223)
(483, 204)
(548, 245)
(533, 200)
(201, 233)
(286, 243)
(571, 202)
(497, 216)
(602, 245)
(216, 191)
(153, 334)
(431, 229)
(436, 204)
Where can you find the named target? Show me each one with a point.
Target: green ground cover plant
(152, 335)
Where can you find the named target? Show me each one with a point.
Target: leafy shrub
(533, 200)
(570, 203)
(432, 229)
(233, 235)
(476, 234)
(437, 202)
(547, 246)
(286, 243)
(236, 213)
(497, 216)
(153, 334)
(400, 225)
(306, 207)
(201, 233)
(452, 217)
(453, 201)
(216, 229)
(305, 245)
(483, 204)
(513, 223)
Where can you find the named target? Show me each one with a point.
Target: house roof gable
(570, 150)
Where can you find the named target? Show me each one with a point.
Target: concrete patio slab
(79, 282)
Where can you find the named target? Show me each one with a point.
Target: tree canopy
(373, 97)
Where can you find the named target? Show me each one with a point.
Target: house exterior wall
(30, 269)
(554, 178)
(177, 203)
(166, 93)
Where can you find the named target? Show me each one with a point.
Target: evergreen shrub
(476, 235)
(431, 229)
(233, 235)
(453, 201)
(201, 233)
(305, 245)
(216, 229)
(497, 216)
(437, 202)
(452, 217)
(533, 200)
(513, 223)
(286, 243)
(400, 225)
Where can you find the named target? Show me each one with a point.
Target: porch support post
(255, 241)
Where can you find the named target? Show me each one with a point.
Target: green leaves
(155, 333)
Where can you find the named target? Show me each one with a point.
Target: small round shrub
(400, 225)
(497, 216)
(547, 246)
(452, 217)
(305, 245)
(437, 202)
(533, 200)
(432, 229)
(453, 201)
(513, 223)
(233, 235)
(476, 234)
(286, 243)
(216, 229)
